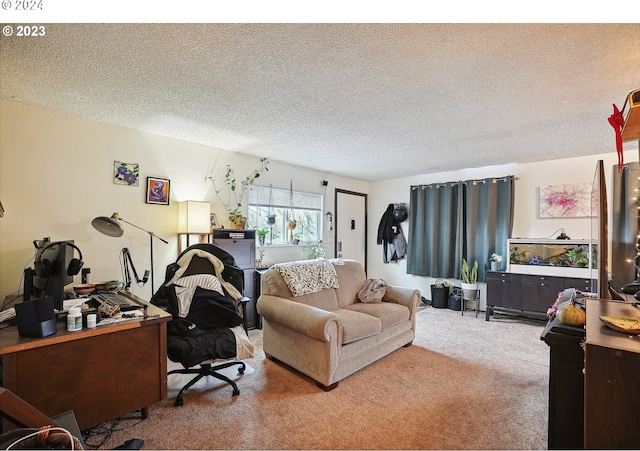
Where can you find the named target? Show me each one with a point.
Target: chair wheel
(236, 392)
(178, 402)
(240, 370)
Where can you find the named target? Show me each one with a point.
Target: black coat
(204, 334)
(388, 229)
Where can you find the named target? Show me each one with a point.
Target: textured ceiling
(368, 101)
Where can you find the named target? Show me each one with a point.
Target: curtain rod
(475, 182)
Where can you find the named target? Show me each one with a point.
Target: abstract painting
(567, 201)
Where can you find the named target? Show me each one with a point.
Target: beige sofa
(330, 334)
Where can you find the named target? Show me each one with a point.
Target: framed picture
(157, 191)
(214, 222)
(567, 201)
(126, 173)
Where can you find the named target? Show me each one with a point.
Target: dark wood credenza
(526, 294)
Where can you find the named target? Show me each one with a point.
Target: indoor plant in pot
(496, 262)
(469, 280)
(234, 191)
(262, 233)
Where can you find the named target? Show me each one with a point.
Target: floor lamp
(111, 226)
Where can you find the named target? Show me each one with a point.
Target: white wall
(527, 223)
(56, 175)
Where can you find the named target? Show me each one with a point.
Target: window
(304, 208)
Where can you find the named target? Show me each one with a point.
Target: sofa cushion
(356, 325)
(352, 277)
(273, 284)
(389, 313)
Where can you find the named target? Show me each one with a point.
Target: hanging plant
(291, 222)
(271, 217)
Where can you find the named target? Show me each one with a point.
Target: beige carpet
(464, 384)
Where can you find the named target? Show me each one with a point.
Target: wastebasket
(439, 295)
(455, 299)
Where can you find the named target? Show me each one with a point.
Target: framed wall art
(126, 173)
(567, 201)
(157, 191)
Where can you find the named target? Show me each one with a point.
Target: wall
(56, 175)
(527, 223)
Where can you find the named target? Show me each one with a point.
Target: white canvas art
(570, 200)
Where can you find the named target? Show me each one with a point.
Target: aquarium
(568, 258)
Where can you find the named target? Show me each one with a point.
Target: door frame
(366, 216)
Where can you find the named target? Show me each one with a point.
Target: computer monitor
(50, 273)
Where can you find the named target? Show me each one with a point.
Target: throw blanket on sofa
(308, 276)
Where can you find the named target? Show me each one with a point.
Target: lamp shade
(108, 225)
(194, 217)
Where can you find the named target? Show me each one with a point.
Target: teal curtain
(435, 230)
(488, 206)
(449, 221)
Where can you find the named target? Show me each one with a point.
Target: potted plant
(315, 250)
(291, 224)
(271, 219)
(262, 233)
(469, 280)
(496, 260)
(235, 190)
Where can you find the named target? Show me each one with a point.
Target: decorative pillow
(372, 291)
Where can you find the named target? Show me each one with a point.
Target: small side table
(463, 303)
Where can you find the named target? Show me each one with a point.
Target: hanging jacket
(400, 245)
(390, 235)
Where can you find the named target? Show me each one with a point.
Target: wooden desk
(99, 373)
(612, 379)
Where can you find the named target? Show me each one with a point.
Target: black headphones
(43, 267)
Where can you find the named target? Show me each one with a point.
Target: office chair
(203, 293)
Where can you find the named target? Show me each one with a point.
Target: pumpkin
(571, 315)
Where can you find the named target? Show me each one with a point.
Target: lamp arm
(161, 239)
(127, 261)
(147, 231)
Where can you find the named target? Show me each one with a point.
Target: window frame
(304, 203)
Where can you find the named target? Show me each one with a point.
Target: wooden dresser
(612, 379)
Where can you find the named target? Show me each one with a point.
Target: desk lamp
(112, 226)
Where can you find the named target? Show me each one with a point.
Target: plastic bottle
(74, 319)
(86, 275)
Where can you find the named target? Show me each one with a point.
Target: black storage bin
(439, 295)
(455, 302)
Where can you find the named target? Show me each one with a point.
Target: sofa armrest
(305, 319)
(409, 297)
